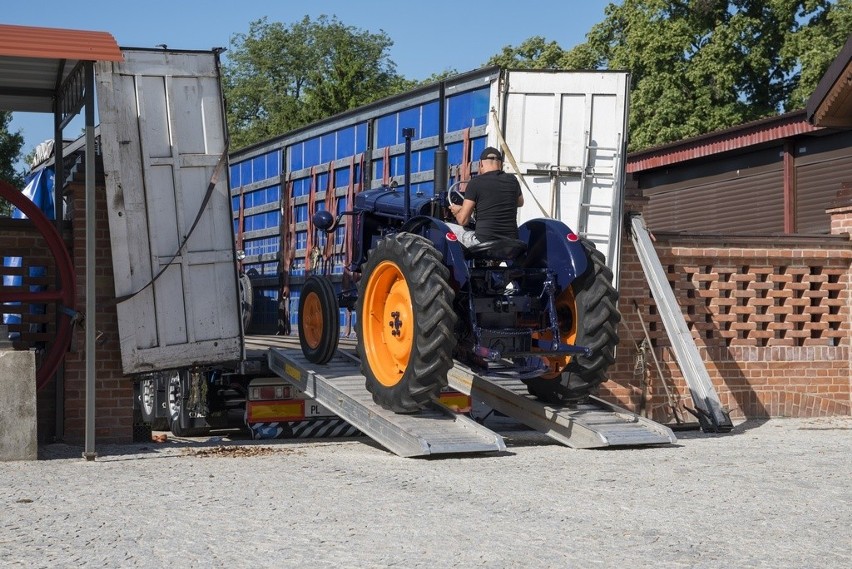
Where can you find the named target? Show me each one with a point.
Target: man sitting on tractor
(492, 199)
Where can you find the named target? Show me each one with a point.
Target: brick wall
(19, 238)
(770, 316)
(114, 390)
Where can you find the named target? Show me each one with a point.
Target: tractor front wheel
(405, 322)
(319, 319)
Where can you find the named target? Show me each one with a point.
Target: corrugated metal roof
(34, 62)
(735, 138)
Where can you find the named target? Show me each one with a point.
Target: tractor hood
(390, 202)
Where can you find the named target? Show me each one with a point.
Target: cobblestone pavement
(771, 494)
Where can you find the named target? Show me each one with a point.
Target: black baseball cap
(491, 153)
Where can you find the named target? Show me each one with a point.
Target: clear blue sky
(429, 36)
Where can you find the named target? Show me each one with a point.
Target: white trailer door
(162, 134)
(567, 132)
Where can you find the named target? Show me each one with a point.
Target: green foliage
(815, 46)
(436, 77)
(10, 150)
(277, 77)
(534, 53)
(702, 65)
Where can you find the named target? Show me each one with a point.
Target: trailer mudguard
(552, 244)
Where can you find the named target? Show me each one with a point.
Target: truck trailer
(200, 237)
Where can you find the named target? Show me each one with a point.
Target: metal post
(408, 133)
(58, 178)
(89, 452)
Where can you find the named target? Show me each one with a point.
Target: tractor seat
(496, 250)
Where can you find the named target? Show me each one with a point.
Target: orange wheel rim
(312, 324)
(388, 325)
(566, 307)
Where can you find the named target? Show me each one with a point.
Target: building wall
(743, 190)
(770, 318)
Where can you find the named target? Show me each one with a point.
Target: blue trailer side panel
(290, 177)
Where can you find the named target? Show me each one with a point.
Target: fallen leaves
(236, 451)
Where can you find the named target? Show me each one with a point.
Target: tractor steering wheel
(454, 196)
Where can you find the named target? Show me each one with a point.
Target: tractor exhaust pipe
(440, 172)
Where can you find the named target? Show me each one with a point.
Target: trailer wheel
(405, 322)
(319, 319)
(179, 419)
(588, 315)
(246, 300)
(148, 404)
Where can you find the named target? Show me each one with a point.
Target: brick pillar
(841, 211)
(841, 222)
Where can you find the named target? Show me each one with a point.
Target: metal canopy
(36, 62)
(52, 70)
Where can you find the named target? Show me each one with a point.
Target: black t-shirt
(496, 196)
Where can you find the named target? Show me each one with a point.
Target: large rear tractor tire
(405, 322)
(588, 316)
(319, 319)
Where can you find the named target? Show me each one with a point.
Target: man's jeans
(466, 237)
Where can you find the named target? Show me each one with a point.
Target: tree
(534, 53)
(703, 65)
(279, 77)
(435, 77)
(10, 151)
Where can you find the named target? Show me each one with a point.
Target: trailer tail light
(269, 393)
(573, 237)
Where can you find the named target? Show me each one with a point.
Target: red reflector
(451, 236)
(267, 393)
(572, 237)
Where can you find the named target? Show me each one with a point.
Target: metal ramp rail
(709, 411)
(339, 386)
(593, 424)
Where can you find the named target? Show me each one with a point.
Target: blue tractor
(540, 308)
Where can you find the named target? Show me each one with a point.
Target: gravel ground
(770, 494)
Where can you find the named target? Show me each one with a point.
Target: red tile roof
(56, 43)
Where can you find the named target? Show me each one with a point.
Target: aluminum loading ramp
(595, 424)
(708, 408)
(339, 386)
